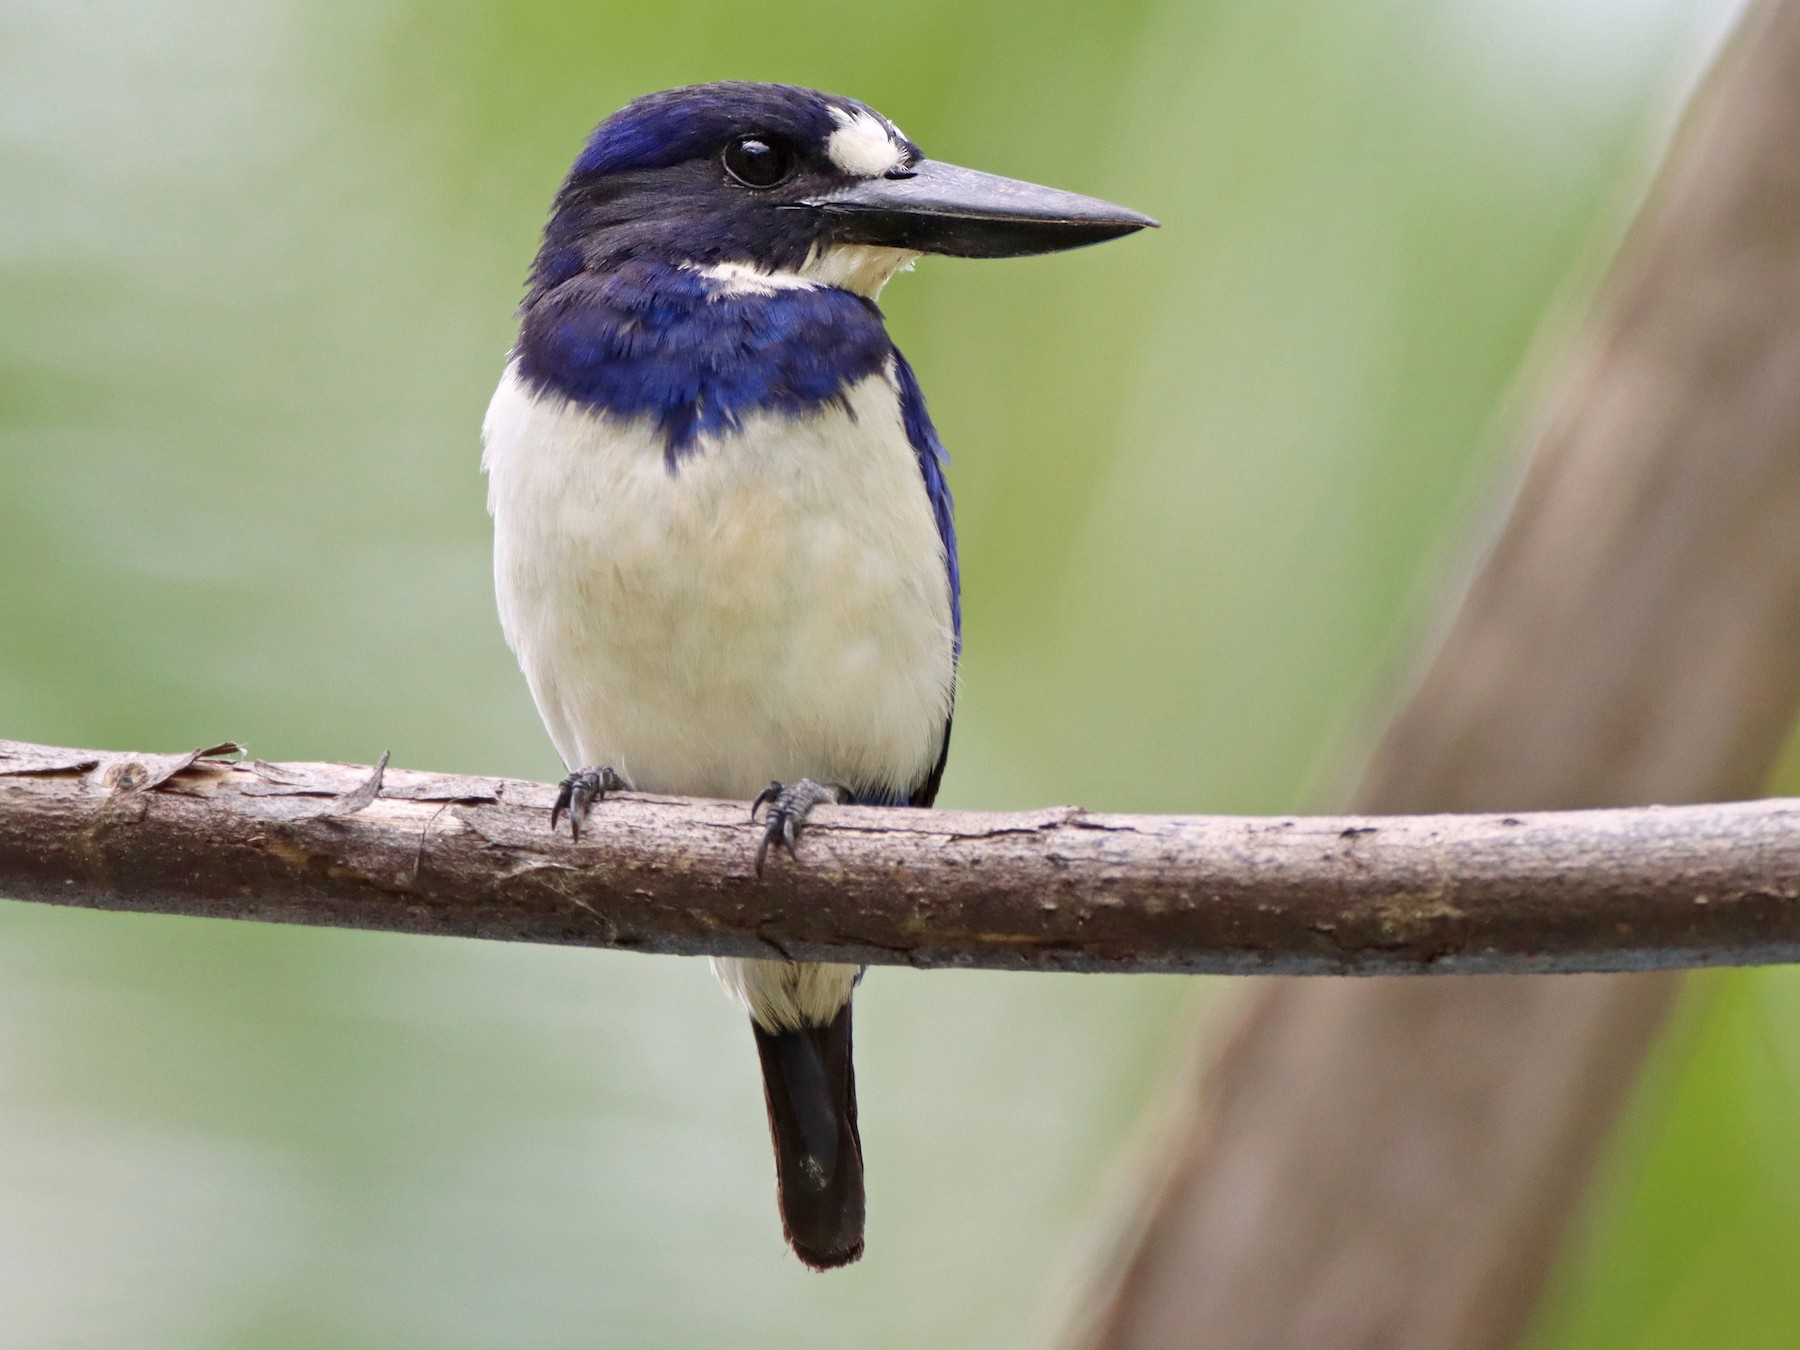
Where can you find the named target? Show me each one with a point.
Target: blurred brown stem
(1395, 1164)
(1064, 889)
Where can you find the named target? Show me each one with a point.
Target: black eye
(757, 163)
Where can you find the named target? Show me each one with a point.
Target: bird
(724, 547)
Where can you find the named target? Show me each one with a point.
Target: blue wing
(932, 461)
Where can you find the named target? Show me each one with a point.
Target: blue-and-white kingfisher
(723, 544)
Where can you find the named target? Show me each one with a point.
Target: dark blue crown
(678, 124)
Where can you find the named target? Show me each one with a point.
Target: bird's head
(792, 183)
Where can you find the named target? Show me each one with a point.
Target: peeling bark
(351, 846)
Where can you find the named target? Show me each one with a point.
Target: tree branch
(1397, 1162)
(1062, 889)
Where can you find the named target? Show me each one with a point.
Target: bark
(357, 847)
(1395, 1164)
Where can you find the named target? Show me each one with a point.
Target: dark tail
(809, 1086)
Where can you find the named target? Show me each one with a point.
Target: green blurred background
(257, 264)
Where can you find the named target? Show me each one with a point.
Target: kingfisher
(724, 551)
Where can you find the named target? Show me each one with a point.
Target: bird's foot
(577, 794)
(789, 806)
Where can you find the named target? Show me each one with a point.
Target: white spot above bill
(862, 145)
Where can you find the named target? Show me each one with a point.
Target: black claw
(577, 794)
(769, 794)
(788, 810)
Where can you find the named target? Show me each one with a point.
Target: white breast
(776, 608)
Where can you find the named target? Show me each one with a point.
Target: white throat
(860, 268)
(863, 268)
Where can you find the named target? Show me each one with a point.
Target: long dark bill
(940, 208)
(809, 1086)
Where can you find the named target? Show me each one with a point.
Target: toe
(789, 806)
(577, 793)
